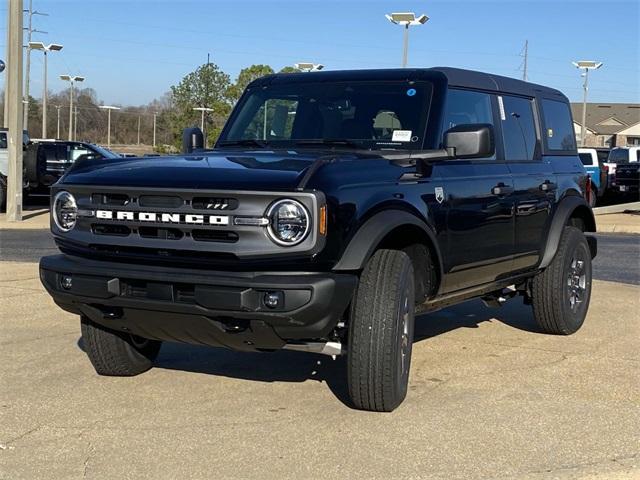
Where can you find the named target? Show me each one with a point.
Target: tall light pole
(30, 30)
(585, 65)
(71, 79)
(52, 47)
(155, 114)
(14, 120)
(309, 67)
(108, 108)
(58, 107)
(406, 19)
(202, 110)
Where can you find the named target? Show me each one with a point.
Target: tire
(380, 335)
(3, 193)
(117, 354)
(561, 292)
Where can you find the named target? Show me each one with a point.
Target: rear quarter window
(586, 159)
(558, 133)
(619, 155)
(3, 140)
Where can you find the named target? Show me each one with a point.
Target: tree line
(207, 86)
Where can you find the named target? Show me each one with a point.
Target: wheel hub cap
(576, 283)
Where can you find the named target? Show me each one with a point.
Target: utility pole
(155, 114)
(30, 30)
(14, 89)
(108, 108)
(58, 107)
(138, 129)
(526, 61)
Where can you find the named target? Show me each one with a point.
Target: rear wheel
(117, 353)
(381, 332)
(561, 293)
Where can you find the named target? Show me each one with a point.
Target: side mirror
(470, 140)
(192, 139)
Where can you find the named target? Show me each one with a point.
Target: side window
(619, 155)
(558, 133)
(3, 140)
(518, 128)
(585, 158)
(464, 107)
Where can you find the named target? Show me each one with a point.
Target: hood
(237, 170)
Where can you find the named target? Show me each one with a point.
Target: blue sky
(132, 51)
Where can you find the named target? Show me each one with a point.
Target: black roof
(456, 77)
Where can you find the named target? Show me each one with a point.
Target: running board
(325, 348)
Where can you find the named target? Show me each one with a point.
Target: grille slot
(161, 233)
(110, 199)
(158, 201)
(110, 230)
(224, 236)
(214, 203)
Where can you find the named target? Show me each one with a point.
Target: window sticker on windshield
(411, 92)
(503, 116)
(401, 136)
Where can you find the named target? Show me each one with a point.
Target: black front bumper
(200, 307)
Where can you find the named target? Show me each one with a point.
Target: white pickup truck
(4, 162)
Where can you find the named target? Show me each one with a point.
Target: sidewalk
(32, 220)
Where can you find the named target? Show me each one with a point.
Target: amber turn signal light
(323, 220)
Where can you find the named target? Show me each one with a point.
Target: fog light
(273, 299)
(66, 282)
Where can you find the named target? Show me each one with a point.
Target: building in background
(609, 124)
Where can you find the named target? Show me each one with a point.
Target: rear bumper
(201, 307)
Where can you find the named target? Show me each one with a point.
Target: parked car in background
(598, 175)
(4, 162)
(627, 177)
(620, 155)
(45, 161)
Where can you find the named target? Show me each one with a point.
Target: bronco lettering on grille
(194, 219)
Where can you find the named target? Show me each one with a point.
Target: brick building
(608, 124)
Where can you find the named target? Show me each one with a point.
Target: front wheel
(561, 292)
(381, 332)
(117, 354)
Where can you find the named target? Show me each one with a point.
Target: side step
(325, 348)
(497, 299)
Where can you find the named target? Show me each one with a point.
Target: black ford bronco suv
(334, 206)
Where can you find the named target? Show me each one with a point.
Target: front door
(479, 203)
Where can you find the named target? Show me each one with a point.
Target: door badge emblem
(439, 194)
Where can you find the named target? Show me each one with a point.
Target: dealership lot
(489, 398)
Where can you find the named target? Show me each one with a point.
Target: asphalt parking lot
(489, 397)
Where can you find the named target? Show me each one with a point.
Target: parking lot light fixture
(52, 47)
(406, 19)
(71, 79)
(585, 65)
(309, 67)
(108, 108)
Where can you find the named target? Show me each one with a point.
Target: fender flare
(565, 208)
(363, 244)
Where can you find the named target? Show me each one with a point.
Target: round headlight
(65, 211)
(288, 222)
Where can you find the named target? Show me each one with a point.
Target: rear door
(479, 202)
(533, 177)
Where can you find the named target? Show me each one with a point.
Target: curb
(621, 208)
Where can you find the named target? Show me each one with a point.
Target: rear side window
(518, 128)
(558, 133)
(3, 140)
(586, 159)
(619, 155)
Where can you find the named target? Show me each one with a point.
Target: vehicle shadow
(290, 366)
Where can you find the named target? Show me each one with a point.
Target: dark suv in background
(334, 206)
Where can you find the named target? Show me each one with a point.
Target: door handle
(501, 189)
(548, 186)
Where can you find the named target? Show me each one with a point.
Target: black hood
(237, 170)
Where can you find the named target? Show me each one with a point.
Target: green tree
(208, 87)
(288, 69)
(246, 76)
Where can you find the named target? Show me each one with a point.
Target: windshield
(369, 115)
(104, 152)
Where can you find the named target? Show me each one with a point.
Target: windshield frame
(373, 145)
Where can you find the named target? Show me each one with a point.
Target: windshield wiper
(329, 141)
(250, 142)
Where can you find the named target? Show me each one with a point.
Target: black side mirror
(470, 140)
(192, 139)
